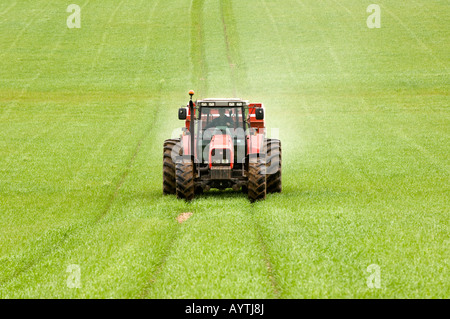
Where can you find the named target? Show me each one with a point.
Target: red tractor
(223, 145)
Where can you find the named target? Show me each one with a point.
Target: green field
(363, 115)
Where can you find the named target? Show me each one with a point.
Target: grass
(362, 114)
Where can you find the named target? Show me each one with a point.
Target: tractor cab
(220, 132)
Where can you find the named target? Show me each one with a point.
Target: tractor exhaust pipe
(191, 126)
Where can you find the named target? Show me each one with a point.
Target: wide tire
(171, 147)
(273, 165)
(256, 189)
(185, 180)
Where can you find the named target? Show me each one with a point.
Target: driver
(222, 120)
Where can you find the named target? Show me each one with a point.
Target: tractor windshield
(221, 118)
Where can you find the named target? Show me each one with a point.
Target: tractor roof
(221, 102)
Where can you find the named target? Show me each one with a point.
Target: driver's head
(221, 112)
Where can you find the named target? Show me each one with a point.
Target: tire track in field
(160, 266)
(199, 77)
(197, 54)
(25, 28)
(137, 148)
(144, 53)
(238, 72)
(127, 169)
(199, 70)
(146, 133)
(27, 264)
(7, 9)
(175, 229)
(271, 273)
(239, 80)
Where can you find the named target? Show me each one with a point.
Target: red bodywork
(254, 123)
(255, 143)
(221, 142)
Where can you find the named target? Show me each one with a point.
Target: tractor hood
(221, 150)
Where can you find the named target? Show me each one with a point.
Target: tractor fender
(186, 144)
(255, 143)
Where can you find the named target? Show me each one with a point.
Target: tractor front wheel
(185, 181)
(273, 165)
(171, 148)
(256, 189)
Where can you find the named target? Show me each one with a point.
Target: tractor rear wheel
(185, 180)
(273, 165)
(171, 146)
(256, 188)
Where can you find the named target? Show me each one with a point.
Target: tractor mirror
(259, 113)
(182, 113)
